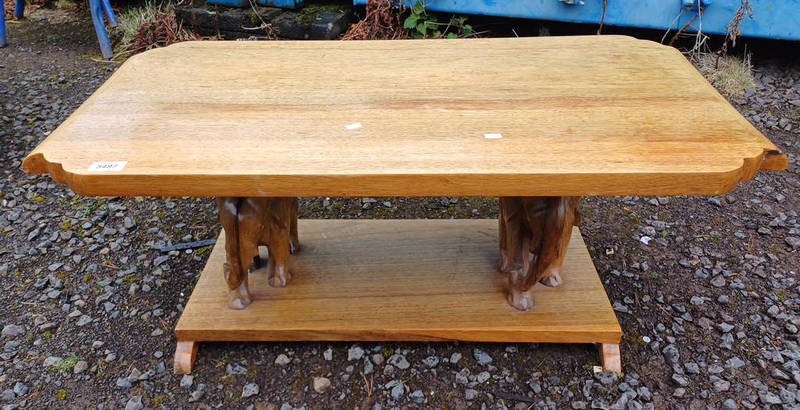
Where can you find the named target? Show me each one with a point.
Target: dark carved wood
(250, 223)
(534, 233)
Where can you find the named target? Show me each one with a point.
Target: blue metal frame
(112, 19)
(19, 9)
(96, 8)
(777, 19)
(2, 24)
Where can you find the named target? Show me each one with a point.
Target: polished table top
(584, 115)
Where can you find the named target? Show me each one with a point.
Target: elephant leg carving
(514, 258)
(282, 222)
(278, 264)
(560, 215)
(235, 271)
(248, 224)
(534, 234)
(504, 264)
(519, 283)
(294, 241)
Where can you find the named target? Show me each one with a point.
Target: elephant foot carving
(553, 277)
(248, 224)
(519, 299)
(533, 236)
(238, 298)
(278, 276)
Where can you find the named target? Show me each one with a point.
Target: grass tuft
(133, 18)
(149, 26)
(65, 5)
(731, 76)
(66, 364)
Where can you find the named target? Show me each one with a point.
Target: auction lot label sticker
(107, 166)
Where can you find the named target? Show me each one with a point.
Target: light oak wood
(610, 357)
(185, 353)
(417, 280)
(594, 115)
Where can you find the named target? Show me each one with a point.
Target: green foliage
(424, 24)
(386, 352)
(460, 27)
(66, 364)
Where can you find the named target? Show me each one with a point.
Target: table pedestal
(400, 280)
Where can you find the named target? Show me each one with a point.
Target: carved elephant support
(250, 223)
(534, 234)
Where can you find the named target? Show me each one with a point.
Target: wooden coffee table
(537, 122)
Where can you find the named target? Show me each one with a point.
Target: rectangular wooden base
(414, 280)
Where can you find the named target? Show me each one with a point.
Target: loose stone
(321, 384)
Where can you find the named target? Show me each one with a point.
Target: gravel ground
(709, 304)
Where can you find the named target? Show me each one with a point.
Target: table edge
(464, 184)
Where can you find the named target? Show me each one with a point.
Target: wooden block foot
(185, 353)
(610, 357)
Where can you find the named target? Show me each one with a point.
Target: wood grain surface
(400, 280)
(584, 115)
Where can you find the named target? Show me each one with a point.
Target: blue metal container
(287, 4)
(777, 19)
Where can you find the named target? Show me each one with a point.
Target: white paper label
(493, 136)
(353, 126)
(101, 166)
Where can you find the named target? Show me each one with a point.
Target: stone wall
(234, 23)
